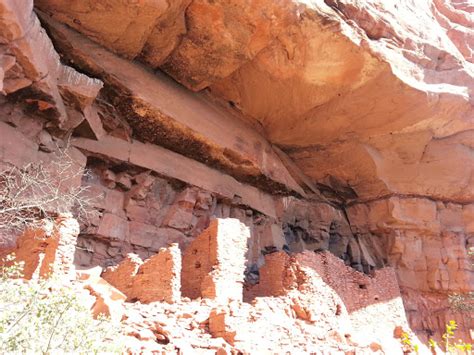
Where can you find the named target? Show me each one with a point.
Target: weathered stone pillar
(66, 230)
(49, 249)
(214, 263)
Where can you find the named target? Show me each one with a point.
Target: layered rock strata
(428, 243)
(305, 71)
(321, 125)
(161, 112)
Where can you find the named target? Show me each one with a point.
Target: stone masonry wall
(275, 277)
(281, 273)
(156, 279)
(358, 290)
(214, 263)
(140, 212)
(321, 288)
(48, 248)
(121, 275)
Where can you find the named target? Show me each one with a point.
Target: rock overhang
(396, 146)
(326, 80)
(329, 82)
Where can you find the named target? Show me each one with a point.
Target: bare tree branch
(43, 190)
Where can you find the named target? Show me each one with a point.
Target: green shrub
(448, 345)
(46, 317)
(408, 345)
(452, 347)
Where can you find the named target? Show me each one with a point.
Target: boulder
(108, 300)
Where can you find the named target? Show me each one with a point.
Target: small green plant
(464, 347)
(449, 333)
(10, 268)
(408, 345)
(451, 346)
(46, 317)
(432, 345)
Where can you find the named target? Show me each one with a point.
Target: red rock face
(305, 72)
(358, 79)
(428, 244)
(339, 125)
(390, 61)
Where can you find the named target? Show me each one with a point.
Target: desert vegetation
(46, 316)
(49, 314)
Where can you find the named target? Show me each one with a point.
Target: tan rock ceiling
(369, 98)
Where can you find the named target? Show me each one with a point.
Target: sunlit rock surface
(375, 98)
(339, 125)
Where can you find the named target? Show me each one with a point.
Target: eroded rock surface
(31, 68)
(340, 125)
(163, 113)
(390, 85)
(428, 243)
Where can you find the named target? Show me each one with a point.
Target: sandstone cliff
(339, 125)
